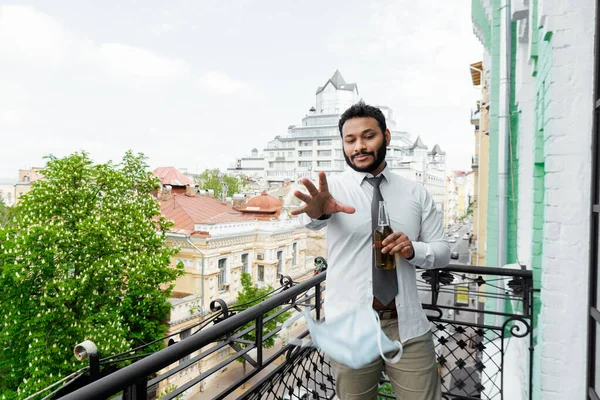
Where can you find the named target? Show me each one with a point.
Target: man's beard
(378, 158)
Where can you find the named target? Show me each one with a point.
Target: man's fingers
(344, 208)
(399, 248)
(394, 237)
(323, 186)
(302, 196)
(310, 187)
(298, 211)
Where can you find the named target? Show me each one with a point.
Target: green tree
(7, 214)
(214, 179)
(249, 296)
(85, 260)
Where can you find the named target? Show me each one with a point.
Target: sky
(196, 84)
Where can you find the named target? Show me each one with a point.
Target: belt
(385, 312)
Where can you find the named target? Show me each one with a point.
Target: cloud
(219, 83)
(28, 34)
(123, 60)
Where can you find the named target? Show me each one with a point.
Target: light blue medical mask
(354, 339)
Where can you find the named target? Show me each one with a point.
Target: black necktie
(385, 282)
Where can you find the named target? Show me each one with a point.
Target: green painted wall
(491, 253)
(542, 71)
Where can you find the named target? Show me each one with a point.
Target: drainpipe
(188, 239)
(503, 137)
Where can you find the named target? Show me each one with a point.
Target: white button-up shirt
(349, 243)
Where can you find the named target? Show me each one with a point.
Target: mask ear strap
(398, 355)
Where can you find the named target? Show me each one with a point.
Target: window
(222, 274)
(323, 163)
(305, 153)
(324, 153)
(280, 263)
(305, 164)
(305, 143)
(261, 273)
(182, 335)
(245, 263)
(295, 254)
(290, 153)
(324, 142)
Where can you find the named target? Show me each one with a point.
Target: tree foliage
(7, 214)
(85, 260)
(214, 179)
(249, 296)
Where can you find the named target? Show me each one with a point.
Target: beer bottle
(383, 230)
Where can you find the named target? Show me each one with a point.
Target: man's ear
(388, 137)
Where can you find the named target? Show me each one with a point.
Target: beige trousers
(414, 377)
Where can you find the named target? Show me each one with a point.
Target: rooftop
(338, 82)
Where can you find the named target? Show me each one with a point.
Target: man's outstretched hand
(319, 201)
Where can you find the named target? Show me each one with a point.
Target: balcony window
(295, 254)
(305, 164)
(245, 263)
(261, 273)
(324, 164)
(324, 153)
(324, 142)
(222, 284)
(305, 143)
(305, 153)
(280, 263)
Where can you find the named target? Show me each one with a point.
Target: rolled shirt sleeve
(312, 224)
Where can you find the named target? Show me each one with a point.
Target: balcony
(472, 345)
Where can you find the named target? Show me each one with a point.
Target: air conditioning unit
(225, 286)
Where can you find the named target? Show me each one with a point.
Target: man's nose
(359, 146)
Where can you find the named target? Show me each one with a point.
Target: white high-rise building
(316, 145)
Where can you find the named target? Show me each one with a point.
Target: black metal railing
(471, 343)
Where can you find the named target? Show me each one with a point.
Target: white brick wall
(563, 319)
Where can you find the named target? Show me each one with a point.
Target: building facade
(217, 244)
(315, 145)
(26, 179)
(480, 120)
(538, 66)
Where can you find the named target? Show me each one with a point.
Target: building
(416, 163)
(459, 196)
(316, 145)
(26, 179)
(218, 242)
(542, 181)
(480, 119)
(251, 166)
(7, 191)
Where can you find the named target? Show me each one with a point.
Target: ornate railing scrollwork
(220, 305)
(515, 330)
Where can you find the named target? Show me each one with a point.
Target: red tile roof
(172, 176)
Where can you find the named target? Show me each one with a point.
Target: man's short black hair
(361, 109)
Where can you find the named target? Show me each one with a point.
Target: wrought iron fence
(471, 344)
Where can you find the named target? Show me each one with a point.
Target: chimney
(166, 193)
(190, 191)
(239, 201)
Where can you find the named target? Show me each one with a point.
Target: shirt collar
(359, 177)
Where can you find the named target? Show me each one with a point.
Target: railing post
(318, 301)
(259, 340)
(94, 363)
(137, 391)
